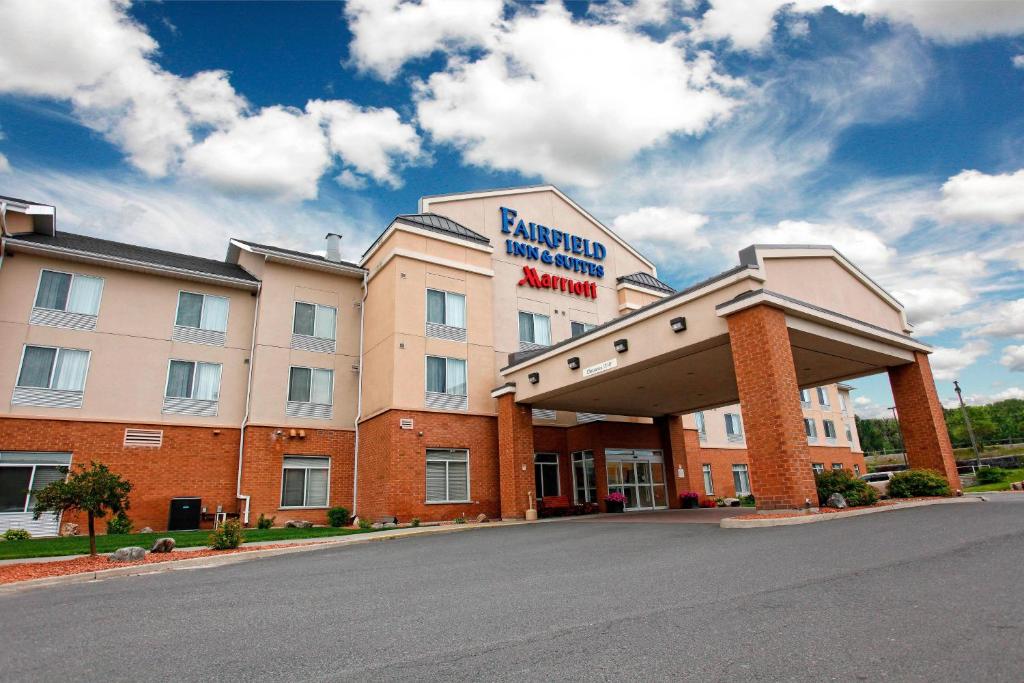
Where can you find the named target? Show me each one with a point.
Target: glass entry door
(639, 475)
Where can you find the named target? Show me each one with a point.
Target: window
(584, 481)
(190, 379)
(534, 329)
(849, 435)
(856, 470)
(446, 308)
(19, 482)
(580, 328)
(545, 473)
(741, 479)
(310, 385)
(314, 320)
(733, 427)
(447, 475)
(305, 482)
(69, 292)
(47, 367)
(837, 465)
(811, 429)
(842, 402)
(818, 467)
(446, 375)
(702, 427)
(709, 483)
(830, 430)
(822, 397)
(202, 311)
(805, 398)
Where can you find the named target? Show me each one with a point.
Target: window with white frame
(192, 379)
(733, 427)
(446, 375)
(837, 465)
(311, 385)
(856, 470)
(315, 320)
(545, 474)
(842, 402)
(534, 329)
(447, 475)
(702, 427)
(849, 435)
(805, 398)
(709, 482)
(584, 480)
(578, 328)
(202, 312)
(69, 292)
(50, 367)
(810, 429)
(22, 474)
(822, 397)
(830, 430)
(446, 308)
(305, 481)
(741, 479)
(818, 467)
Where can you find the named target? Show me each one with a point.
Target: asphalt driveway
(921, 594)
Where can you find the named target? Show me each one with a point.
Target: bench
(551, 506)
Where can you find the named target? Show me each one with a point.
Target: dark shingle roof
(292, 252)
(646, 280)
(131, 252)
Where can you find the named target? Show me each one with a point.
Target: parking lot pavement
(921, 594)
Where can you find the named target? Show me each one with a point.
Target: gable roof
(647, 281)
(290, 253)
(120, 253)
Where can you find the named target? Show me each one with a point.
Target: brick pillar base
(780, 464)
(922, 423)
(674, 447)
(515, 455)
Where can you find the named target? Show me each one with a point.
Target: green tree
(94, 490)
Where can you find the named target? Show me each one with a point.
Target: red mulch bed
(825, 510)
(26, 571)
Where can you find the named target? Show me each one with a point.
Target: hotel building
(492, 349)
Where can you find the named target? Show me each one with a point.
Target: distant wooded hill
(996, 422)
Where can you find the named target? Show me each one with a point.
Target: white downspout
(359, 396)
(248, 400)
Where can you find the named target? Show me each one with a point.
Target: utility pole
(967, 421)
(899, 431)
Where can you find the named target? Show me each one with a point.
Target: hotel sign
(600, 367)
(551, 246)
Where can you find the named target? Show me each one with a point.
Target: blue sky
(894, 130)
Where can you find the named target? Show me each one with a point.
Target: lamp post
(967, 422)
(899, 431)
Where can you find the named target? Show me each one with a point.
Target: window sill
(449, 502)
(304, 507)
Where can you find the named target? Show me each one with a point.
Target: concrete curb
(217, 561)
(734, 523)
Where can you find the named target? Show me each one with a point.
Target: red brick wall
(780, 469)
(193, 461)
(265, 448)
(515, 456)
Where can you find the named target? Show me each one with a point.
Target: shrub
(337, 517)
(265, 522)
(747, 501)
(415, 521)
(119, 524)
(991, 475)
(855, 491)
(227, 536)
(17, 535)
(913, 483)
(365, 523)
(460, 520)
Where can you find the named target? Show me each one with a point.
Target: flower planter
(613, 506)
(690, 503)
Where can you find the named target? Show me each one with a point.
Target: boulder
(482, 518)
(163, 545)
(390, 525)
(377, 525)
(731, 502)
(146, 530)
(298, 524)
(836, 500)
(132, 553)
(69, 529)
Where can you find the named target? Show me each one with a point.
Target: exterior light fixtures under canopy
(534, 377)
(622, 345)
(574, 363)
(678, 324)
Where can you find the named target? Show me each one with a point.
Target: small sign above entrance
(600, 367)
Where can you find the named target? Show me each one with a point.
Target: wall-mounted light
(534, 377)
(622, 345)
(678, 324)
(574, 363)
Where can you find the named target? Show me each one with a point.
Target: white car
(878, 481)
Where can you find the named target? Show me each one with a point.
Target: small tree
(94, 490)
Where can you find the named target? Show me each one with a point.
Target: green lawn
(79, 545)
(1011, 475)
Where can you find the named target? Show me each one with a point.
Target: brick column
(922, 423)
(780, 464)
(515, 456)
(674, 448)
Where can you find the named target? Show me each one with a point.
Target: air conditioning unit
(405, 423)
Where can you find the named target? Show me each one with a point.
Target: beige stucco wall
(130, 347)
(18, 223)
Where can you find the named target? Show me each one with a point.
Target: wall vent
(405, 423)
(152, 438)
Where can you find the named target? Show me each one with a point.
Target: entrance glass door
(639, 475)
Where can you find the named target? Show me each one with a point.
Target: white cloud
(984, 399)
(570, 101)
(663, 229)
(948, 362)
(973, 195)
(1013, 358)
(388, 33)
(867, 409)
(372, 141)
(1018, 61)
(1006, 320)
(5, 165)
(863, 247)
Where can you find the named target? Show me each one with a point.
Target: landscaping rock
(731, 502)
(390, 525)
(132, 553)
(163, 545)
(145, 530)
(298, 524)
(377, 525)
(69, 529)
(482, 518)
(836, 500)
(1017, 486)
